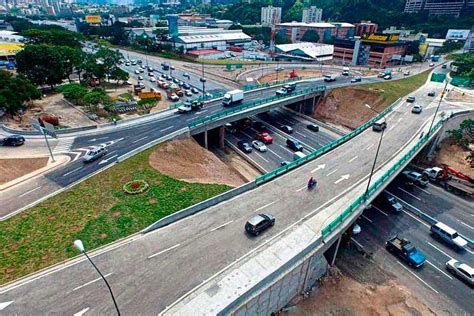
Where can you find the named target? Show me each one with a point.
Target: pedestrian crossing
(64, 145)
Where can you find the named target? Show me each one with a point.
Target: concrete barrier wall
(200, 206)
(59, 131)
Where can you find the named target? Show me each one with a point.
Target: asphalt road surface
(149, 272)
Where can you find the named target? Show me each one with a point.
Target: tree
(450, 46)
(119, 75)
(53, 37)
(295, 13)
(15, 91)
(109, 60)
(94, 98)
(464, 65)
(310, 36)
(73, 92)
(464, 134)
(72, 58)
(41, 64)
(135, 23)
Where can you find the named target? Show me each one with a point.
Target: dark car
(259, 126)
(313, 127)
(245, 147)
(259, 223)
(186, 86)
(431, 94)
(287, 129)
(284, 163)
(294, 144)
(13, 140)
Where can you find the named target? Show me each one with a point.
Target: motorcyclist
(311, 183)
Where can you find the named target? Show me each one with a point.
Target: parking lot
(278, 151)
(378, 224)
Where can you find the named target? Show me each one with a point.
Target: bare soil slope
(454, 155)
(185, 160)
(11, 169)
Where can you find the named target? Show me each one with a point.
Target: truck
(286, 89)
(414, 177)
(190, 106)
(450, 179)
(233, 97)
(329, 78)
(345, 71)
(150, 95)
(404, 249)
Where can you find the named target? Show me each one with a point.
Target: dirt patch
(357, 289)
(346, 106)
(11, 169)
(246, 171)
(285, 74)
(454, 155)
(185, 160)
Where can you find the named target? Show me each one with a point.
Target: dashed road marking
(330, 173)
(368, 219)
(137, 140)
(28, 192)
(266, 205)
(425, 283)
(163, 251)
(165, 129)
(376, 208)
(81, 312)
(74, 170)
(431, 264)
(410, 194)
(90, 282)
(353, 158)
(444, 253)
(220, 226)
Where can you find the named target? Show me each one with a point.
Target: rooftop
(221, 36)
(320, 24)
(312, 50)
(203, 52)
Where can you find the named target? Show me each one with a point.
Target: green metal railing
(373, 188)
(322, 150)
(270, 83)
(200, 98)
(251, 104)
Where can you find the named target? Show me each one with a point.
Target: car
(137, 72)
(141, 71)
(208, 95)
(356, 79)
(282, 91)
(416, 109)
(387, 201)
(188, 93)
(94, 154)
(169, 78)
(150, 68)
(431, 94)
(180, 83)
(186, 86)
(194, 90)
(152, 79)
(287, 129)
(279, 68)
(186, 75)
(259, 223)
(140, 77)
(290, 87)
(313, 127)
(387, 77)
(259, 145)
(174, 97)
(329, 78)
(381, 75)
(284, 163)
(356, 229)
(415, 178)
(127, 64)
(13, 140)
(245, 147)
(444, 66)
(432, 64)
(143, 67)
(151, 74)
(172, 67)
(406, 73)
(294, 145)
(448, 235)
(461, 270)
(264, 137)
(411, 99)
(175, 80)
(142, 85)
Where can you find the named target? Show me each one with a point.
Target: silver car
(416, 109)
(260, 146)
(462, 270)
(94, 154)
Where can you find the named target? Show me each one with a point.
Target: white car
(94, 154)
(188, 93)
(462, 270)
(260, 146)
(432, 64)
(174, 97)
(137, 71)
(406, 73)
(140, 77)
(282, 91)
(416, 109)
(152, 79)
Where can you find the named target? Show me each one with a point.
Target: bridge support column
(221, 137)
(205, 139)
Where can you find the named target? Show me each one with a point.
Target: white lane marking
(444, 253)
(81, 312)
(28, 192)
(274, 153)
(368, 219)
(220, 226)
(110, 153)
(431, 264)
(165, 129)
(256, 153)
(199, 112)
(416, 219)
(419, 188)
(370, 146)
(429, 286)
(358, 243)
(300, 189)
(136, 141)
(353, 158)
(68, 173)
(4, 305)
(286, 149)
(90, 282)
(375, 207)
(318, 167)
(163, 251)
(469, 226)
(105, 137)
(330, 173)
(266, 205)
(107, 160)
(413, 196)
(300, 134)
(342, 178)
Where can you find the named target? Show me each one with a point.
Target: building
(364, 27)
(294, 31)
(10, 44)
(305, 51)
(400, 32)
(217, 39)
(271, 15)
(440, 7)
(375, 50)
(312, 15)
(461, 35)
(207, 54)
(470, 41)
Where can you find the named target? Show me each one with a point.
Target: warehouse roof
(199, 38)
(302, 24)
(312, 50)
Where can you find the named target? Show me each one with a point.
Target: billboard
(457, 34)
(93, 19)
(379, 38)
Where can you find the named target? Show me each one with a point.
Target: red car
(265, 137)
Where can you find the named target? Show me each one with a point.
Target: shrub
(135, 186)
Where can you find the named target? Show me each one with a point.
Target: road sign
(36, 125)
(49, 129)
(438, 77)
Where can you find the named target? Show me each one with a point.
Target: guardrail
(252, 104)
(373, 188)
(269, 84)
(322, 150)
(200, 98)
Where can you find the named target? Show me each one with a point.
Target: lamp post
(439, 103)
(79, 245)
(376, 153)
(203, 80)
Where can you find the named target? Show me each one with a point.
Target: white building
(312, 15)
(10, 37)
(271, 15)
(217, 39)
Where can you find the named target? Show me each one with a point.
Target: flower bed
(135, 187)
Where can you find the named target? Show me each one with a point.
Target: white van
(448, 235)
(298, 154)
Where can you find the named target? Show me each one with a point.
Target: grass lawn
(96, 211)
(393, 89)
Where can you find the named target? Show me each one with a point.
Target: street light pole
(78, 244)
(376, 154)
(439, 103)
(203, 80)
